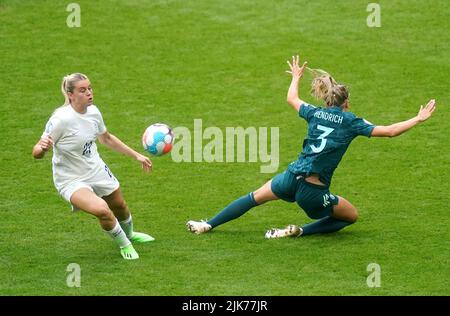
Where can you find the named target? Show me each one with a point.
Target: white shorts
(102, 184)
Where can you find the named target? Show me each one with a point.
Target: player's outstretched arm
(42, 146)
(401, 127)
(116, 144)
(297, 73)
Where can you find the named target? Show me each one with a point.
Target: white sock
(127, 226)
(118, 235)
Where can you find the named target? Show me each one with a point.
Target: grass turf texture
(224, 62)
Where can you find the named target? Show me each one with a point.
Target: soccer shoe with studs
(128, 253)
(141, 237)
(289, 231)
(198, 227)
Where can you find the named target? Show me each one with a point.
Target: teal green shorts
(315, 200)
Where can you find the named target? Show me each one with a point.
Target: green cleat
(141, 237)
(128, 253)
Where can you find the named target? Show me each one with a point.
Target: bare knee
(353, 216)
(345, 211)
(102, 211)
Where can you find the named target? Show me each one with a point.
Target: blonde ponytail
(325, 87)
(64, 92)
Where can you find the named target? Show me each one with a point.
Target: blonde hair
(326, 88)
(68, 84)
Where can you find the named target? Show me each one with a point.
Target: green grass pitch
(224, 62)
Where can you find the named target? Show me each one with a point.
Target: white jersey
(75, 155)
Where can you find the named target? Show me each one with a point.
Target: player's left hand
(145, 162)
(425, 112)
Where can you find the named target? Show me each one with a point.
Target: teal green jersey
(330, 132)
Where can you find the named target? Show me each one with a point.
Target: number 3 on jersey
(326, 131)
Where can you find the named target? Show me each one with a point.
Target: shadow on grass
(341, 235)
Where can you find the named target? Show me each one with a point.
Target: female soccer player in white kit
(79, 174)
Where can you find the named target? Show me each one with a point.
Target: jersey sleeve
(362, 127)
(54, 128)
(306, 111)
(100, 123)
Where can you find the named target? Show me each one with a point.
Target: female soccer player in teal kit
(306, 181)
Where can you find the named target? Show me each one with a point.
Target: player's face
(82, 93)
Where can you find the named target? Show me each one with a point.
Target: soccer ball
(158, 139)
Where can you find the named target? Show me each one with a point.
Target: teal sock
(324, 225)
(234, 210)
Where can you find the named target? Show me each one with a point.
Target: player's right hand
(146, 163)
(296, 71)
(46, 143)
